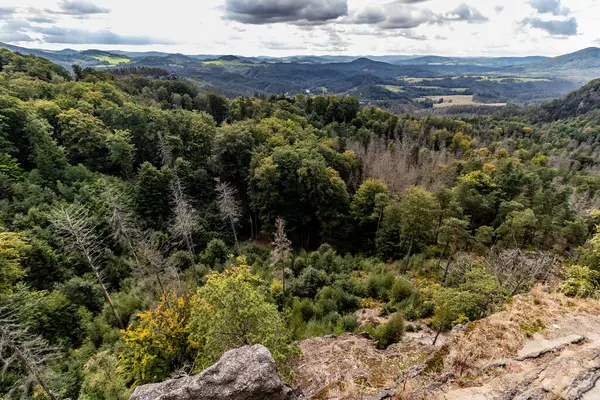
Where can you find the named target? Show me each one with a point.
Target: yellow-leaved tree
(158, 343)
(12, 251)
(232, 310)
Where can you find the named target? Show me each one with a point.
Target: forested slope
(146, 228)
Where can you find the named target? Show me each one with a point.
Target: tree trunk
(162, 289)
(452, 250)
(447, 269)
(437, 335)
(412, 238)
(237, 245)
(108, 299)
(442, 255)
(33, 369)
(43, 384)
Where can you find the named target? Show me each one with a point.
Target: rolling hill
(574, 104)
(582, 63)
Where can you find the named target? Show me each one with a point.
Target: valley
(395, 83)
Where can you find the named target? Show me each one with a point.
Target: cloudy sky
(288, 27)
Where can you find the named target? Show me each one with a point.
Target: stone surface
(539, 346)
(247, 373)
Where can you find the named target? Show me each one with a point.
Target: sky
(297, 27)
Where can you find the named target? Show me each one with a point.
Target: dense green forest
(147, 227)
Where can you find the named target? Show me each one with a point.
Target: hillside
(149, 227)
(583, 63)
(572, 105)
(541, 346)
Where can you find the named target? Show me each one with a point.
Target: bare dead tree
(74, 225)
(164, 149)
(230, 208)
(184, 221)
(517, 270)
(30, 352)
(281, 248)
(151, 261)
(122, 223)
(401, 164)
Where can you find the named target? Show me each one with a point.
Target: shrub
(215, 253)
(350, 322)
(391, 332)
(401, 290)
(580, 281)
(379, 284)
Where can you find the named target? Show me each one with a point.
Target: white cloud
(304, 26)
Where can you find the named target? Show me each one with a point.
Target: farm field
(457, 100)
(112, 60)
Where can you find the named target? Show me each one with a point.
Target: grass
(113, 60)
(395, 89)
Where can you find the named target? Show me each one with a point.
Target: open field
(441, 88)
(457, 100)
(514, 78)
(112, 60)
(224, 63)
(394, 89)
(419, 80)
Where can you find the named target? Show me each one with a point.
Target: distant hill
(493, 62)
(230, 58)
(572, 105)
(584, 63)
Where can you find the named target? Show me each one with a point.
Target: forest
(146, 227)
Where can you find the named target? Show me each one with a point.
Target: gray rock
(247, 373)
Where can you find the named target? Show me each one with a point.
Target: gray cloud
(79, 8)
(399, 15)
(56, 34)
(15, 37)
(12, 30)
(41, 19)
(466, 13)
(499, 9)
(293, 11)
(6, 12)
(553, 7)
(568, 27)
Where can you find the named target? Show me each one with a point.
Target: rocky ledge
(247, 373)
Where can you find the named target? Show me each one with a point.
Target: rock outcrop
(542, 346)
(247, 373)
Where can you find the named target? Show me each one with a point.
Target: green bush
(379, 284)
(390, 332)
(401, 290)
(580, 281)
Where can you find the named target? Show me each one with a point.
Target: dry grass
(502, 335)
(457, 100)
(347, 367)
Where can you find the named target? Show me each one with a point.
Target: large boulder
(247, 373)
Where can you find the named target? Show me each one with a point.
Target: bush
(390, 332)
(401, 290)
(379, 284)
(308, 283)
(215, 253)
(350, 322)
(580, 281)
(231, 310)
